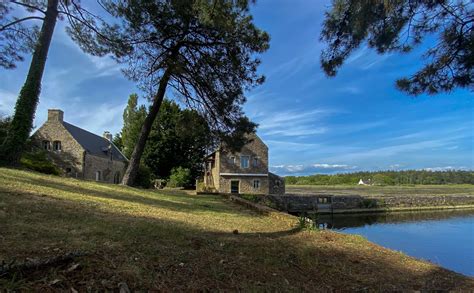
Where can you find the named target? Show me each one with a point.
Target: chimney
(107, 135)
(55, 115)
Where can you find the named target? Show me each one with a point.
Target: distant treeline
(386, 178)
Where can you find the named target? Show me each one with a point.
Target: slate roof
(94, 144)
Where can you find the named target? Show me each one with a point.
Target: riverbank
(115, 236)
(363, 199)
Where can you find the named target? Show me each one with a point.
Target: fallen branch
(35, 264)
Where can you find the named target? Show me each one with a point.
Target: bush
(180, 177)
(4, 125)
(143, 177)
(38, 161)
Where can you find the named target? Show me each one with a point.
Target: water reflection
(442, 237)
(343, 221)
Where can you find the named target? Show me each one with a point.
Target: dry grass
(160, 240)
(402, 190)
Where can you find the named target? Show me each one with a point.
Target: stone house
(244, 172)
(80, 153)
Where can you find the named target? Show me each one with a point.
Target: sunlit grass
(171, 240)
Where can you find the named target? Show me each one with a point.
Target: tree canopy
(19, 36)
(179, 138)
(387, 178)
(204, 51)
(399, 26)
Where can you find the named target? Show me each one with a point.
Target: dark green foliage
(37, 160)
(399, 26)
(386, 178)
(180, 177)
(133, 118)
(117, 141)
(179, 138)
(144, 177)
(205, 51)
(4, 125)
(368, 203)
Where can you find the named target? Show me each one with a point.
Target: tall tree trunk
(27, 102)
(132, 169)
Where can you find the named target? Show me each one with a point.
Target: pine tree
(203, 50)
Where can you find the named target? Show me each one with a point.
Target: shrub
(143, 177)
(368, 203)
(38, 161)
(180, 177)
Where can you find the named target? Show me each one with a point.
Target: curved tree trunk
(132, 169)
(27, 102)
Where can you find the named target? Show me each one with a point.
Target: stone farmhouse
(244, 172)
(79, 153)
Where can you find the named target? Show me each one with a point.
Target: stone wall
(254, 149)
(111, 170)
(70, 158)
(346, 203)
(419, 201)
(245, 184)
(276, 184)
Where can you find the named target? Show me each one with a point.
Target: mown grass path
(170, 240)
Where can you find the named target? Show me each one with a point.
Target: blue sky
(312, 124)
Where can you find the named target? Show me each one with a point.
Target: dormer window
(57, 145)
(244, 161)
(46, 145)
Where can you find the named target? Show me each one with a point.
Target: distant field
(422, 190)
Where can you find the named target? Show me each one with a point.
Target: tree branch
(20, 20)
(28, 6)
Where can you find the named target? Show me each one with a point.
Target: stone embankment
(294, 203)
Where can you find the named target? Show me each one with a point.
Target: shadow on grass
(175, 202)
(171, 255)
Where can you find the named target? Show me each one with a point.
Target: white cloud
(293, 123)
(322, 168)
(446, 168)
(7, 102)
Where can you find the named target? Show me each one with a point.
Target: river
(442, 237)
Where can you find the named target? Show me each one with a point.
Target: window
(323, 200)
(98, 176)
(46, 145)
(57, 145)
(232, 159)
(244, 161)
(256, 184)
(255, 161)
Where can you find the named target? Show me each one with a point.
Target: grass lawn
(398, 190)
(170, 240)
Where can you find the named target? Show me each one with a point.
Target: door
(234, 186)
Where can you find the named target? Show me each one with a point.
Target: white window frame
(46, 145)
(256, 184)
(242, 160)
(57, 143)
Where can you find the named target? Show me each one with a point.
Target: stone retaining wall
(346, 203)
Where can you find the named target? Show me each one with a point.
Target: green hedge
(38, 161)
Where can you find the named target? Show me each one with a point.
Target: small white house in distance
(362, 182)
